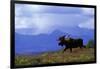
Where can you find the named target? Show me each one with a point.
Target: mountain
(36, 43)
(44, 42)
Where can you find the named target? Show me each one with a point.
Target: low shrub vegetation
(78, 55)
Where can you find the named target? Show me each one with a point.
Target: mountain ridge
(42, 42)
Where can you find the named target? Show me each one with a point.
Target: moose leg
(64, 49)
(80, 47)
(70, 49)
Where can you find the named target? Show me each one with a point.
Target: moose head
(62, 39)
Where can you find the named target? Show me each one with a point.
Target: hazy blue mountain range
(47, 42)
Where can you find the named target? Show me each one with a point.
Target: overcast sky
(41, 19)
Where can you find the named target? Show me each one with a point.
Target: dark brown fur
(70, 43)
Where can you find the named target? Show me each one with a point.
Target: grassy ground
(78, 55)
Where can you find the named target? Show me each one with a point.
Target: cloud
(88, 11)
(88, 24)
(27, 10)
(37, 19)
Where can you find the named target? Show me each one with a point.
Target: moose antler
(61, 37)
(68, 35)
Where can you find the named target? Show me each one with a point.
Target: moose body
(70, 43)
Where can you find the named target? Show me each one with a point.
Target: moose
(70, 42)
